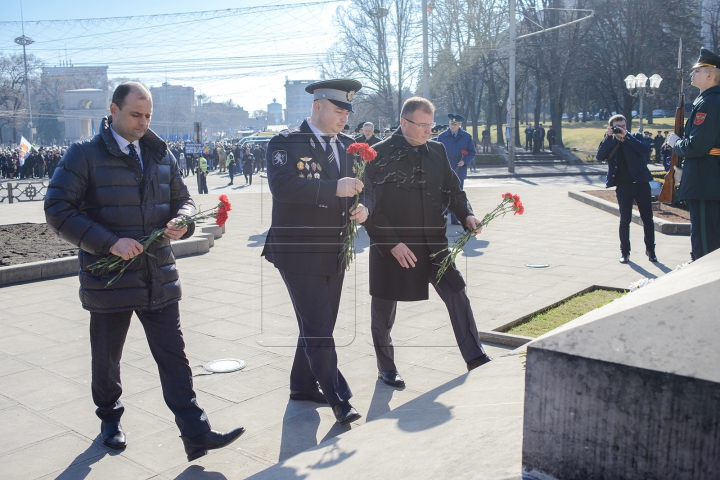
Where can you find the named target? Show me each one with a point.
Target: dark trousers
(202, 183)
(162, 329)
(704, 226)
(382, 318)
(528, 143)
(316, 300)
(640, 194)
(248, 178)
(231, 172)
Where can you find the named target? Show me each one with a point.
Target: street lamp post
(25, 41)
(638, 82)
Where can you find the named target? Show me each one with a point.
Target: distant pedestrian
(658, 144)
(551, 136)
(248, 165)
(529, 130)
(202, 173)
(485, 140)
(182, 165)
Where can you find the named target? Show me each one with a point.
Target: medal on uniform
(309, 176)
(300, 165)
(306, 159)
(314, 167)
(317, 175)
(319, 167)
(302, 176)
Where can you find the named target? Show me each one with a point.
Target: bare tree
(372, 33)
(14, 112)
(711, 23)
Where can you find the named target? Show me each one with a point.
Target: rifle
(667, 194)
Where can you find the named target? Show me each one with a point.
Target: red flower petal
(225, 202)
(356, 147)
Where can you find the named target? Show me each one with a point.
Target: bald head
(124, 89)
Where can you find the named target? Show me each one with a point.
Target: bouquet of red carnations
(114, 263)
(363, 153)
(509, 203)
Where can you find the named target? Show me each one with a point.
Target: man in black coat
(312, 181)
(628, 173)
(367, 135)
(700, 154)
(105, 194)
(413, 183)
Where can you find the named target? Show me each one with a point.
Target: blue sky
(244, 56)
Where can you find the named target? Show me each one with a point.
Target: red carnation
(507, 195)
(225, 203)
(368, 154)
(356, 147)
(464, 152)
(516, 198)
(519, 209)
(221, 216)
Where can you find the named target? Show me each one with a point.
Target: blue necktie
(330, 153)
(133, 153)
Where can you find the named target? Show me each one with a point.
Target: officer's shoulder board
(346, 137)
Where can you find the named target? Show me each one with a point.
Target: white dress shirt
(123, 144)
(333, 141)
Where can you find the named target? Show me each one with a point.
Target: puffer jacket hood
(97, 195)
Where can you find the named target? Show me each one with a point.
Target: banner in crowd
(24, 147)
(192, 148)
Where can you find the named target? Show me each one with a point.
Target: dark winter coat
(99, 194)
(410, 191)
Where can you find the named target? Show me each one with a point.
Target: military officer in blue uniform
(460, 150)
(313, 184)
(700, 154)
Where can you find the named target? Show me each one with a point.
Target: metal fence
(22, 191)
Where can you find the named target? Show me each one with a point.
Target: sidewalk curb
(661, 226)
(68, 266)
(504, 339)
(537, 175)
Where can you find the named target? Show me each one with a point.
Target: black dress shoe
(651, 256)
(313, 396)
(624, 259)
(392, 378)
(113, 435)
(197, 446)
(345, 413)
(478, 361)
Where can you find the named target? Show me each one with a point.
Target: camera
(617, 130)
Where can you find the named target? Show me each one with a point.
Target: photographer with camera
(628, 173)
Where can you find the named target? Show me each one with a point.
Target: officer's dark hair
(413, 104)
(616, 118)
(124, 89)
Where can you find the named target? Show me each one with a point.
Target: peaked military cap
(339, 91)
(707, 59)
(376, 131)
(455, 118)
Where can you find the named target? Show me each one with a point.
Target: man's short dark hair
(616, 118)
(413, 104)
(124, 89)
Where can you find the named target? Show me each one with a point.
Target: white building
(298, 102)
(275, 113)
(173, 111)
(83, 111)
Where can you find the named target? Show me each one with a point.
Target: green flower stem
(457, 247)
(351, 232)
(113, 262)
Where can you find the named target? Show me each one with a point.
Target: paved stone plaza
(235, 306)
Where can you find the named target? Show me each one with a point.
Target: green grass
(569, 310)
(587, 136)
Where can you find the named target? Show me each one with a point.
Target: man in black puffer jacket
(104, 195)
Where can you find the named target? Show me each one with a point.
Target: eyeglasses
(421, 125)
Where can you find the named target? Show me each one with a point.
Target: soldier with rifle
(700, 154)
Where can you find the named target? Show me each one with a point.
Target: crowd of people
(39, 163)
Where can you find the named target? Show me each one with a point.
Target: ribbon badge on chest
(700, 118)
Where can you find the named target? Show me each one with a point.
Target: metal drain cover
(225, 365)
(537, 265)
